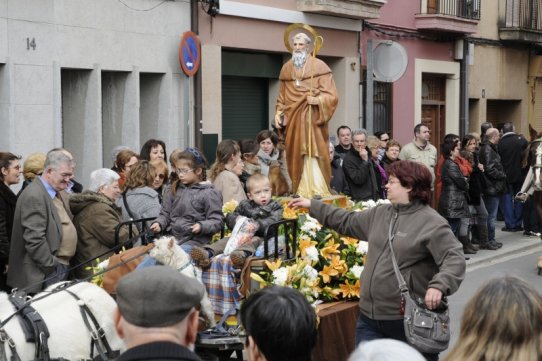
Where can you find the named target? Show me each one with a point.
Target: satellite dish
(390, 61)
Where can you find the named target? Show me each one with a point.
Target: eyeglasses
(161, 176)
(393, 182)
(184, 171)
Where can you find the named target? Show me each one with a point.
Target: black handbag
(426, 330)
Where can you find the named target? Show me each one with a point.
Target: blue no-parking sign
(190, 53)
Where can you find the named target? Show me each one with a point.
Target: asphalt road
(520, 264)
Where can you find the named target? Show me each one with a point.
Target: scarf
(266, 160)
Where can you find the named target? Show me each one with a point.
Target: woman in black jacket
(10, 173)
(453, 204)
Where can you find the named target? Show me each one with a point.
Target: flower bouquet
(327, 265)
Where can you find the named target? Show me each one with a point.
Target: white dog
(169, 253)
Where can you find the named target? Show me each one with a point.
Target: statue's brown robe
(292, 102)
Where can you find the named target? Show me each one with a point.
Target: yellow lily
(330, 249)
(327, 272)
(350, 290)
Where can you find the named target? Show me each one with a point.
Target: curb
(475, 262)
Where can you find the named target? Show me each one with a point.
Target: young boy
(259, 207)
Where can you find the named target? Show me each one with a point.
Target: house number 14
(30, 44)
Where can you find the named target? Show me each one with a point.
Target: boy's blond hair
(257, 177)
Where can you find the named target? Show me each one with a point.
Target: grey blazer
(36, 235)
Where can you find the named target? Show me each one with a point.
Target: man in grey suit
(44, 237)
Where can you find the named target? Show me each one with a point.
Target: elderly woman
(427, 252)
(10, 174)
(95, 217)
(139, 200)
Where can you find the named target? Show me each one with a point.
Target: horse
(62, 310)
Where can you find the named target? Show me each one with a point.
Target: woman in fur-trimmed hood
(95, 217)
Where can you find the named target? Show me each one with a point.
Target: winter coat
(475, 179)
(511, 148)
(95, 218)
(8, 201)
(363, 180)
(200, 203)
(229, 184)
(494, 177)
(453, 198)
(427, 252)
(143, 202)
(338, 180)
(264, 215)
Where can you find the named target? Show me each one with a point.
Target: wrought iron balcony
(522, 21)
(354, 9)
(454, 16)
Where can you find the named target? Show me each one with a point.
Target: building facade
(243, 49)
(92, 75)
(505, 79)
(431, 32)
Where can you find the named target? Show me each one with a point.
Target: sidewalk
(513, 242)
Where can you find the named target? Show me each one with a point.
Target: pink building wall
(398, 18)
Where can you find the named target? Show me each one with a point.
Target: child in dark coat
(260, 208)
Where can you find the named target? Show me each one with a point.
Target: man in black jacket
(495, 182)
(359, 169)
(511, 148)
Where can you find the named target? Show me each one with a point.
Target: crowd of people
(53, 227)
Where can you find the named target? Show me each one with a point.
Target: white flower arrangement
(362, 248)
(280, 276)
(356, 270)
(312, 254)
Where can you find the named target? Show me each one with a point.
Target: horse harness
(36, 331)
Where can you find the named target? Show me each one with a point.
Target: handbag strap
(126, 205)
(400, 279)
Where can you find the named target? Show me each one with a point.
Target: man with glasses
(44, 238)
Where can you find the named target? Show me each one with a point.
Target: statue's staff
(309, 163)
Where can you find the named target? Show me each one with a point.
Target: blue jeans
(148, 261)
(368, 330)
(492, 206)
(512, 211)
(454, 223)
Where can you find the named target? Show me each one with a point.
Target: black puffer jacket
(453, 198)
(494, 176)
(363, 181)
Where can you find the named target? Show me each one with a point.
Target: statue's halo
(317, 40)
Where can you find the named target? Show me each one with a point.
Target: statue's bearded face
(299, 55)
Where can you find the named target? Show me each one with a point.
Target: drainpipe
(464, 90)
(194, 27)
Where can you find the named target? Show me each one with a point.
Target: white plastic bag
(242, 233)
